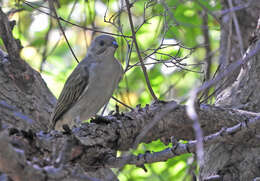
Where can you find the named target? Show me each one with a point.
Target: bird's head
(103, 45)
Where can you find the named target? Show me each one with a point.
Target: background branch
(138, 51)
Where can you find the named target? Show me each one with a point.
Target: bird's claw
(100, 119)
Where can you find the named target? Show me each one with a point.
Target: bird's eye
(101, 43)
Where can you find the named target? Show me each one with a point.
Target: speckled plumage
(90, 85)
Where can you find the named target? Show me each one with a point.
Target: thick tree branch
(238, 131)
(13, 162)
(95, 141)
(22, 88)
(12, 45)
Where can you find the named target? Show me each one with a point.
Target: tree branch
(138, 51)
(22, 88)
(52, 8)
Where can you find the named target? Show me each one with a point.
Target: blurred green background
(177, 26)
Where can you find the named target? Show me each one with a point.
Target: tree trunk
(237, 159)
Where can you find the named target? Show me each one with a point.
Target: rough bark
(232, 160)
(22, 89)
(230, 49)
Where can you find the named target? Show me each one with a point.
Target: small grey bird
(90, 85)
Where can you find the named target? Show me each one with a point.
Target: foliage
(177, 23)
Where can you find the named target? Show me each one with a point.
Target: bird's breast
(103, 80)
(104, 74)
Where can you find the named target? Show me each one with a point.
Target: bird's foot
(100, 119)
(66, 129)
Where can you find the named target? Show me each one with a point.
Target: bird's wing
(73, 88)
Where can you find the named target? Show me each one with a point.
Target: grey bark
(22, 89)
(237, 160)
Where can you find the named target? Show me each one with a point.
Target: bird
(90, 86)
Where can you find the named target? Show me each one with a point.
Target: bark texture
(237, 160)
(22, 90)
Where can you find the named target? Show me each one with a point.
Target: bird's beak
(114, 44)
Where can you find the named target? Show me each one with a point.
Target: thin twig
(122, 103)
(138, 51)
(192, 113)
(208, 11)
(44, 54)
(46, 40)
(237, 28)
(208, 50)
(83, 27)
(236, 8)
(251, 51)
(67, 41)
